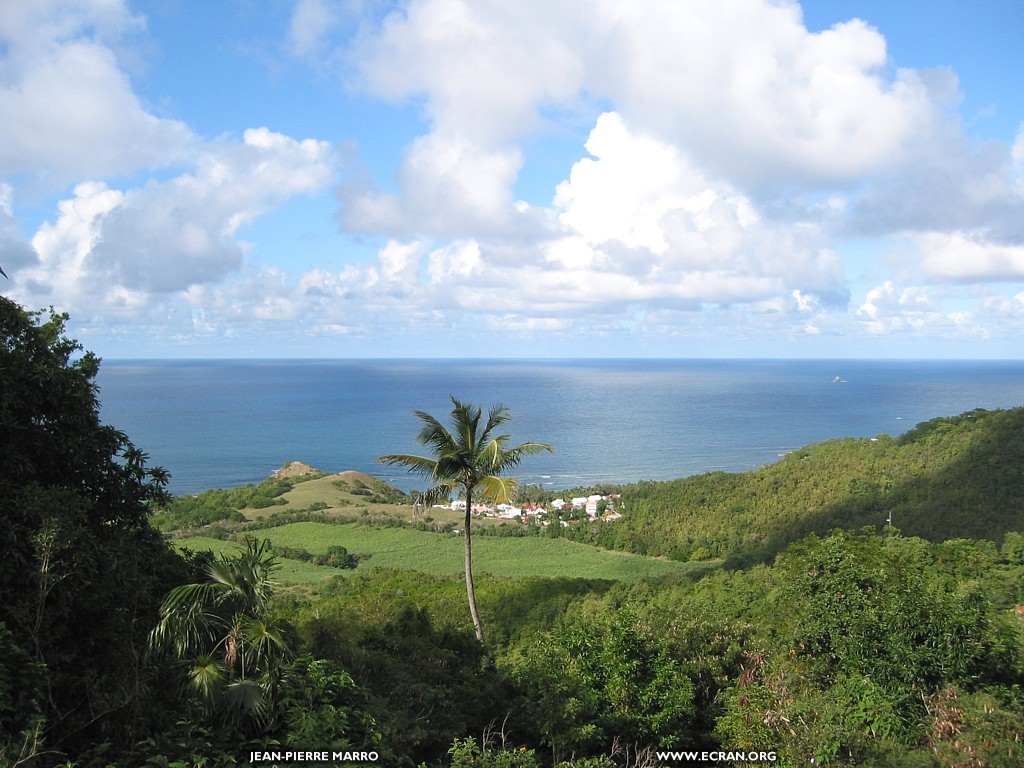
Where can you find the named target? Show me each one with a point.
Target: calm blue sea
(219, 424)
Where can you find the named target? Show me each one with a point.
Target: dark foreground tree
(82, 571)
(471, 457)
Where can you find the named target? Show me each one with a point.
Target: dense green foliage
(241, 677)
(853, 649)
(881, 640)
(373, 490)
(82, 572)
(212, 506)
(82, 580)
(596, 682)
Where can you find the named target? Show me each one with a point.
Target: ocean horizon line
(666, 358)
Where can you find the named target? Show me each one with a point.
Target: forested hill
(958, 477)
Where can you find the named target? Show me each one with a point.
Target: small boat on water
(839, 380)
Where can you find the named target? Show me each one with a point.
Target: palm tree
(470, 457)
(222, 626)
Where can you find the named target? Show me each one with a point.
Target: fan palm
(222, 626)
(470, 457)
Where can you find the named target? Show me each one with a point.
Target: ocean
(224, 423)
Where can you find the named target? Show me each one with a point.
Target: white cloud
(888, 309)
(635, 225)
(714, 106)
(969, 256)
(737, 151)
(740, 89)
(529, 325)
(65, 244)
(486, 67)
(756, 96)
(742, 84)
(460, 261)
(927, 313)
(640, 209)
(67, 110)
(729, 154)
(113, 248)
(624, 192)
(944, 184)
(1017, 153)
(448, 186)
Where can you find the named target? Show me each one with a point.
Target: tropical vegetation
(785, 614)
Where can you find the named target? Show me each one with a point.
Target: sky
(527, 178)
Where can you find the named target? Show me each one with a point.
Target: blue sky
(460, 178)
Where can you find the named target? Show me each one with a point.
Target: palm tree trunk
(469, 570)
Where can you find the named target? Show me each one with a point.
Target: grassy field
(291, 571)
(443, 554)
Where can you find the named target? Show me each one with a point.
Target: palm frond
(526, 449)
(188, 619)
(187, 597)
(496, 416)
(421, 465)
(492, 453)
(434, 434)
(206, 677)
(466, 420)
(498, 489)
(440, 492)
(224, 576)
(264, 640)
(248, 699)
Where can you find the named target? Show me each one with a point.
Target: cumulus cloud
(635, 225)
(448, 187)
(743, 84)
(950, 313)
(485, 67)
(640, 208)
(117, 248)
(887, 308)
(757, 96)
(946, 184)
(724, 154)
(67, 109)
(730, 151)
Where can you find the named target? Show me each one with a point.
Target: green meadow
(441, 554)
(291, 571)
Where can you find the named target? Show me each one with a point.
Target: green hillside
(959, 477)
